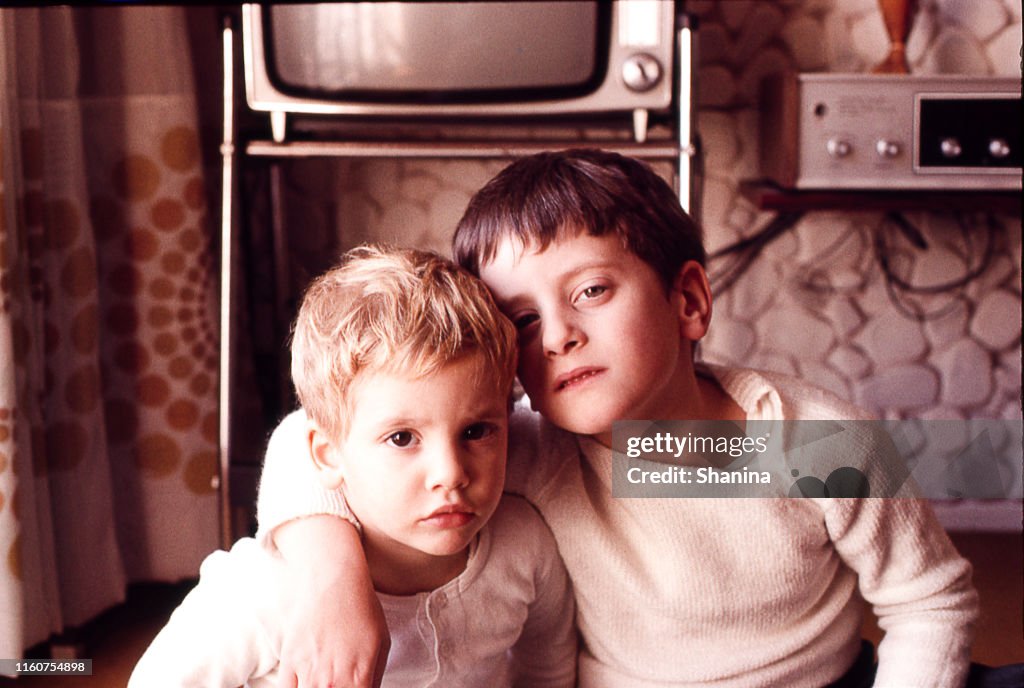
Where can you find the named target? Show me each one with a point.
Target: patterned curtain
(108, 341)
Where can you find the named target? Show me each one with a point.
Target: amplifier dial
(951, 147)
(999, 148)
(838, 148)
(887, 148)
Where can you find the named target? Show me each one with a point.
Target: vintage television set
(465, 59)
(380, 79)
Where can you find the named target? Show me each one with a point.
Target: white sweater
(506, 620)
(729, 592)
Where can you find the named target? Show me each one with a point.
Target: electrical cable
(881, 255)
(897, 287)
(748, 249)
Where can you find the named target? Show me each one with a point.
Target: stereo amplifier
(867, 131)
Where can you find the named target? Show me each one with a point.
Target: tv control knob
(838, 148)
(886, 148)
(950, 148)
(999, 148)
(641, 72)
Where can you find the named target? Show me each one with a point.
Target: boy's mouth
(575, 377)
(450, 516)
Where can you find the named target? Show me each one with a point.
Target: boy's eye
(523, 321)
(401, 439)
(592, 292)
(478, 431)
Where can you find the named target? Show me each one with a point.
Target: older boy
(601, 272)
(404, 367)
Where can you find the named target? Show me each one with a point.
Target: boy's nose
(447, 469)
(561, 335)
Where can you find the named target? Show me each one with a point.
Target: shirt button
(440, 600)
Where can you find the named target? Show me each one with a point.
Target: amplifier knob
(951, 148)
(887, 149)
(641, 72)
(999, 148)
(838, 148)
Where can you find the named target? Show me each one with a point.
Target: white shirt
(506, 620)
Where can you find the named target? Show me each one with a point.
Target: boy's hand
(335, 634)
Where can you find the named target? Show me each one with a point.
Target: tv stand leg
(278, 126)
(640, 116)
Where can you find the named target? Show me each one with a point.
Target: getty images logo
(842, 482)
(821, 459)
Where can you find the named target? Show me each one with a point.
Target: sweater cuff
(290, 486)
(317, 503)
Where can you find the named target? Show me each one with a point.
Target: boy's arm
(918, 585)
(290, 488)
(334, 630)
(335, 633)
(215, 637)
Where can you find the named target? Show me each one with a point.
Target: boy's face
(423, 462)
(599, 338)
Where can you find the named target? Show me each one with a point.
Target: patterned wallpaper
(815, 303)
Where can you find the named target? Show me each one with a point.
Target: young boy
(404, 367)
(601, 272)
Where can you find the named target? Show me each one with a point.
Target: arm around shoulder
(324, 560)
(216, 638)
(289, 486)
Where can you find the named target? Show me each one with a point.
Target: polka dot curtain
(108, 338)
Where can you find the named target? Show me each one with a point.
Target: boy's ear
(694, 292)
(325, 458)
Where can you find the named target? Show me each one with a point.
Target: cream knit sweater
(726, 592)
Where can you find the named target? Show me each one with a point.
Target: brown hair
(549, 196)
(392, 310)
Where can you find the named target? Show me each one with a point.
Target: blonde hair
(392, 310)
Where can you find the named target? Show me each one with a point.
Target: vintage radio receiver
(867, 131)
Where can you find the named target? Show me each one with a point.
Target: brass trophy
(898, 16)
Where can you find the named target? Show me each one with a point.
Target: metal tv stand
(680, 149)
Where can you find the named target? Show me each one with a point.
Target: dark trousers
(862, 673)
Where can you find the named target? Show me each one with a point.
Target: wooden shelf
(768, 196)
(657, 150)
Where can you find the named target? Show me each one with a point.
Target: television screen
(447, 51)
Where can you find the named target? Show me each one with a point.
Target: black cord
(748, 249)
(913, 311)
(897, 288)
(881, 255)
